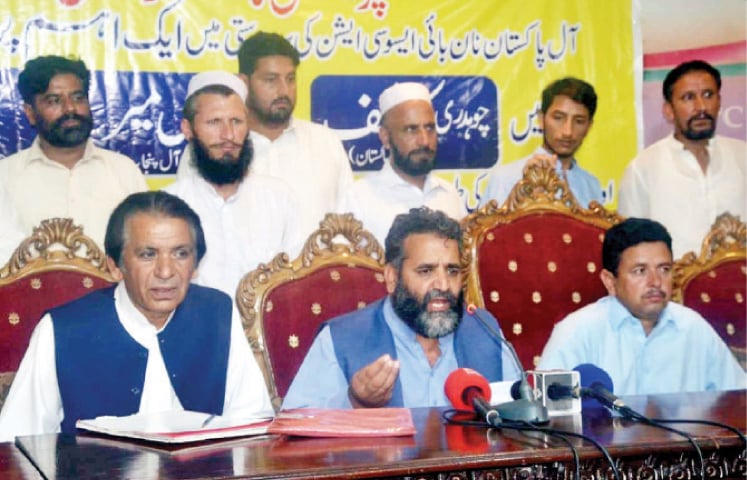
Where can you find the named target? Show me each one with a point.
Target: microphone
(466, 390)
(600, 393)
(526, 408)
(562, 391)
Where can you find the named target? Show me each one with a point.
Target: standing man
(152, 343)
(405, 181)
(307, 156)
(399, 350)
(63, 174)
(645, 342)
(248, 217)
(689, 178)
(567, 114)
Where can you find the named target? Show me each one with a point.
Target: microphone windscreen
(458, 384)
(516, 390)
(590, 374)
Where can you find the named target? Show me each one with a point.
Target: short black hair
(38, 72)
(684, 68)
(153, 203)
(629, 233)
(265, 44)
(190, 105)
(577, 90)
(419, 220)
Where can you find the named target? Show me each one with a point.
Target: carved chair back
(535, 259)
(283, 303)
(714, 283)
(56, 264)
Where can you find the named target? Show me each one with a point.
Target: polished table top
(435, 448)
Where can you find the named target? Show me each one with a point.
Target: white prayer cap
(217, 77)
(402, 92)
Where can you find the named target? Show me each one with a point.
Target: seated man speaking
(399, 350)
(154, 342)
(645, 342)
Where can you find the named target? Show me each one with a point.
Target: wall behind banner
(485, 63)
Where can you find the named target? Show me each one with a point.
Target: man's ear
(30, 114)
(668, 111)
(114, 269)
(391, 276)
(384, 136)
(187, 129)
(609, 281)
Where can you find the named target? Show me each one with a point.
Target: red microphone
(466, 389)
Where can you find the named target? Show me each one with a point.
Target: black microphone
(526, 408)
(598, 392)
(589, 375)
(466, 390)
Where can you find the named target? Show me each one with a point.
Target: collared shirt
(11, 234)
(665, 183)
(380, 196)
(253, 225)
(310, 158)
(681, 354)
(34, 405)
(40, 188)
(321, 383)
(502, 178)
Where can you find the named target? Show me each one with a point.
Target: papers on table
(176, 426)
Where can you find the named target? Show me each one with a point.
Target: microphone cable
(448, 417)
(449, 414)
(712, 423)
(613, 402)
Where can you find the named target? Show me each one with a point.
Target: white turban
(402, 92)
(217, 77)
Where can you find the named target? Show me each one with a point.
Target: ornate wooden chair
(56, 264)
(715, 282)
(282, 304)
(535, 259)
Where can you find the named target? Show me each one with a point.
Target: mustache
(282, 99)
(654, 292)
(436, 294)
(702, 116)
(70, 116)
(422, 150)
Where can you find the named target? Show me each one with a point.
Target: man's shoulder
(353, 319)
(15, 160)
(654, 151)
(93, 301)
(593, 314)
(315, 129)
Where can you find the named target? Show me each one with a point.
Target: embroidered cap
(402, 92)
(217, 77)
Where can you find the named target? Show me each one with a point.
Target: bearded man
(405, 181)
(63, 174)
(690, 177)
(399, 350)
(248, 218)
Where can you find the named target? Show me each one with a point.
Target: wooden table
(437, 451)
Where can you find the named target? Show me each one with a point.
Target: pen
(208, 420)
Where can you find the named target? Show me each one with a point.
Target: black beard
(268, 117)
(407, 165)
(223, 171)
(691, 134)
(65, 137)
(415, 313)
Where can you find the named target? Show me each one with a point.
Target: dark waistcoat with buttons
(101, 369)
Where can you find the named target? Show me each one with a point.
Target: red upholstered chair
(715, 282)
(56, 264)
(282, 304)
(535, 259)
